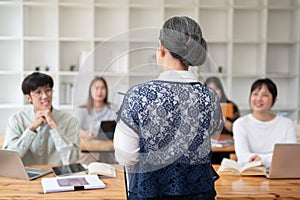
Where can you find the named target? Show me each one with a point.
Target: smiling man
(40, 133)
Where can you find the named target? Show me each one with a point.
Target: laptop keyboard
(31, 174)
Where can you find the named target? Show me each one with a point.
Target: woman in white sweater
(256, 133)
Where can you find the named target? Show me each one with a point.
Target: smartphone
(72, 169)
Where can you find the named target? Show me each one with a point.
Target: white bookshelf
(248, 39)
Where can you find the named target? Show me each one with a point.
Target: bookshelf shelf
(73, 40)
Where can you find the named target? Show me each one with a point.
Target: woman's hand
(254, 158)
(89, 134)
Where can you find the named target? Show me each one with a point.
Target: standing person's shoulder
(141, 88)
(207, 89)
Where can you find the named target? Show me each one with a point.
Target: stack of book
(221, 142)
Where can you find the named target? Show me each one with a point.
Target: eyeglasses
(40, 91)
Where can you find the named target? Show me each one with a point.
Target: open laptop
(285, 161)
(107, 130)
(11, 166)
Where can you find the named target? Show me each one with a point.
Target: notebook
(285, 161)
(11, 166)
(107, 129)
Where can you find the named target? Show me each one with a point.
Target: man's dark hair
(36, 80)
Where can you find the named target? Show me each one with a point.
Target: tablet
(72, 169)
(107, 130)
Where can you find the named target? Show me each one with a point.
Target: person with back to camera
(90, 115)
(256, 133)
(164, 125)
(216, 85)
(42, 134)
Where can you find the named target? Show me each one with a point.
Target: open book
(69, 183)
(103, 170)
(231, 167)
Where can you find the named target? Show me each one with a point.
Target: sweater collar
(177, 75)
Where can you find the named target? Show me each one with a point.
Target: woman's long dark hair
(219, 85)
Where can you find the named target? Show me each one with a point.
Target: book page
(102, 169)
(251, 165)
(229, 167)
(255, 171)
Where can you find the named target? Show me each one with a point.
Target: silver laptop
(285, 161)
(11, 166)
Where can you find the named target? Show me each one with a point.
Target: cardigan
(173, 120)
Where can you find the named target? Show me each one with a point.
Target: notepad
(71, 183)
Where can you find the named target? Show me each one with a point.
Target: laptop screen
(11, 166)
(285, 161)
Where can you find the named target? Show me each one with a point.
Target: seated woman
(90, 115)
(216, 85)
(256, 133)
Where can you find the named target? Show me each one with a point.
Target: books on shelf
(71, 183)
(231, 167)
(67, 92)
